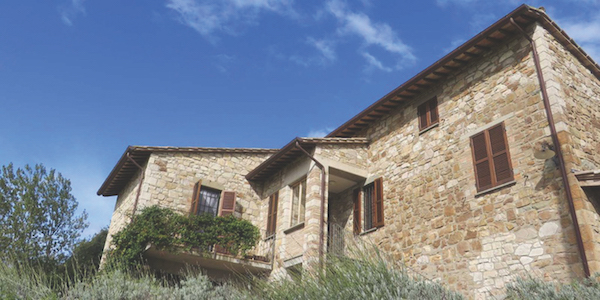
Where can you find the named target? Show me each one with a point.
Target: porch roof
(290, 152)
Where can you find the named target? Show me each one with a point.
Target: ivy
(167, 230)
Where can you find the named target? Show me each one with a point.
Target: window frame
(372, 196)
(272, 214)
(226, 200)
(301, 205)
(491, 160)
(428, 114)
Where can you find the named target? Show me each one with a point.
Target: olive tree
(38, 218)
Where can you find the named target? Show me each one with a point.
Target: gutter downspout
(322, 217)
(137, 196)
(561, 161)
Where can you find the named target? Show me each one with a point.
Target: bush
(367, 277)
(20, 280)
(536, 289)
(166, 230)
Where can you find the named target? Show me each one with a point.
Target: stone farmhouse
(481, 168)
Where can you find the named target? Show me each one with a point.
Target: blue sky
(80, 80)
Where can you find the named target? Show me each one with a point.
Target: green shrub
(537, 289)
(367, 277)
(24, 281)
(166, 230)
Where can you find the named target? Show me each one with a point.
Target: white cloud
(372, 34)
(326, 53)
(70, 10)
(208, 17)
(586, 33)
(325, 47)
(374, 63)
(319, 132)
(222, 61)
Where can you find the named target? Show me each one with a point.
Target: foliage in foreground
(37, 215)
(26, 282)
(369, 277)
(165, 229)
(536, 289)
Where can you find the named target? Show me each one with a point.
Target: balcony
(216, 262)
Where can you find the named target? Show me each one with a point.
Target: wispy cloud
(374, 63)
(371, 33)
(222, 61)
(319, 132)
(325, 48)
(68, 11)
(325, 56)
(209, 17)
(587, 34)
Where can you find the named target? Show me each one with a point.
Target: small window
(298, 202)
(428, 114)
(272, 214)
(491, 159)
(207, 200)
(373, 203)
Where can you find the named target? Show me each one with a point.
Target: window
(491, 158)
(373, 204)
(428, 114)
(272, 214)
(298, 202)
(207, 200)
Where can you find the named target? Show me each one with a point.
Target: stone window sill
(369, 231)
(294, 228)
(429, 128)
(490, 190)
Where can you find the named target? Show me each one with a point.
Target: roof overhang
(125, 168)
(524, 15)
(291, 152)
(588, 178)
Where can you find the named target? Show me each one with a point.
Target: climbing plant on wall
(167, 230)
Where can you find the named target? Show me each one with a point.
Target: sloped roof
(524, 15)
(125, 169)
(290, 153)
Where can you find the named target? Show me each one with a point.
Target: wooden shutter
(433, 111)
(491, 158)
(422, 112)
(272, 214)
(227, 203)
(195, 198)
(500, 155)
(483, 170)
(378, 203)
(356, 220)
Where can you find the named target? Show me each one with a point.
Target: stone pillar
(313, 218)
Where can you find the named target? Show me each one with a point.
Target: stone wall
(170, 178)
(123, 210)
(435, 222)
(575, 95)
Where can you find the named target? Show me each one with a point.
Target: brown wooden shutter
(491, 158)
(433, 111)
(378, 203)
(483, 170)
(227, 203)
(500, 155)
(195, 198)
(422, 111)
(356, 211)
(272, 214)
